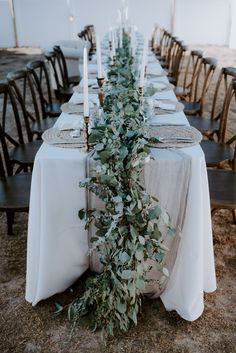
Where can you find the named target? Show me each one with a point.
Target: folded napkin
(92, 68)
(71, 123)
(154, 69)
(170, 119)
(155, 72)
(162, 79)
(92, 101)
(159, 85)
(93, 98)
(164, 106)
(92, 81)
(152, 59)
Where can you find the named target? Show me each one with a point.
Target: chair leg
(213, 211)
(234, 216)
(10, 221)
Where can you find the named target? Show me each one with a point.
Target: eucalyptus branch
(128, 228)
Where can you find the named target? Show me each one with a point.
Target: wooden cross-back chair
(91, 37)
(88, 34)
(14, 189)
(199, 89)
(82, 35)
(165, 48)
(170, 50)
(210, 127)
(19, 137)
(25, 95)
(222, 183)
(176, 61)
(61, 61)
(40, 78)
(217, 153)
(154, 39)
(185, 91)
(160, 34)
(157, 40)
(63, 91)
(14, 194)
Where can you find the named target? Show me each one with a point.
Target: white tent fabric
(195, 22)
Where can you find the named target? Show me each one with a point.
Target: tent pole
(12, 7)
(173, 9)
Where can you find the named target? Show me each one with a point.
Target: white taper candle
(113, 44)
(121, 37)
(99, 57)
(144, 62)
(85, 83)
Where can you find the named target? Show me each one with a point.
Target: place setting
(68, 138)
(77, 106)
(154, 88)
(92, 85)
(155, 71)
(161, 107)
(173, 136)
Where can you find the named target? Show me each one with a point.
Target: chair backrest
(39, 81)
(61, 62)
(227, 74)
(91, 34)
(154, 39)
(191, 71)
(203, 79)
(88, 34)
(229, 97)
(177, 59)
(5, 128)
(233, 140)
(81, 35)
(25, 102)
(165, 43)
(171, 50)
(2, 171)
(51, 58)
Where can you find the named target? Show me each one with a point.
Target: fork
(172, 139)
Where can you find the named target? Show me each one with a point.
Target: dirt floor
(24, 329)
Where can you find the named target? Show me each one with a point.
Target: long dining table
(57, 248)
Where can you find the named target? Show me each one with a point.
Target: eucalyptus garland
(131, 225)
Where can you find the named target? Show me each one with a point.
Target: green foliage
(131, 227)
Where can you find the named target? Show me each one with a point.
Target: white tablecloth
(58, 245)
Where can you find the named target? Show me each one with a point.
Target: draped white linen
(57, 252)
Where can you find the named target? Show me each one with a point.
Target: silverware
(173, 139)
(67, 143)
(166, 124)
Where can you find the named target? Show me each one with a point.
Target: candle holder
(145, 70)
(100, 81)
(100, 90)
(141, 93)
(86, 131)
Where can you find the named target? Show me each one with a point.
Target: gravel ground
(24, 329)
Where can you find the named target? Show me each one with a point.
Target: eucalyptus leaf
(126, 274)
(124, 257)
(140, 284)
(121, 307)
(154, 213)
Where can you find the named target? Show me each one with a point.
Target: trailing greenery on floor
(131, 225)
